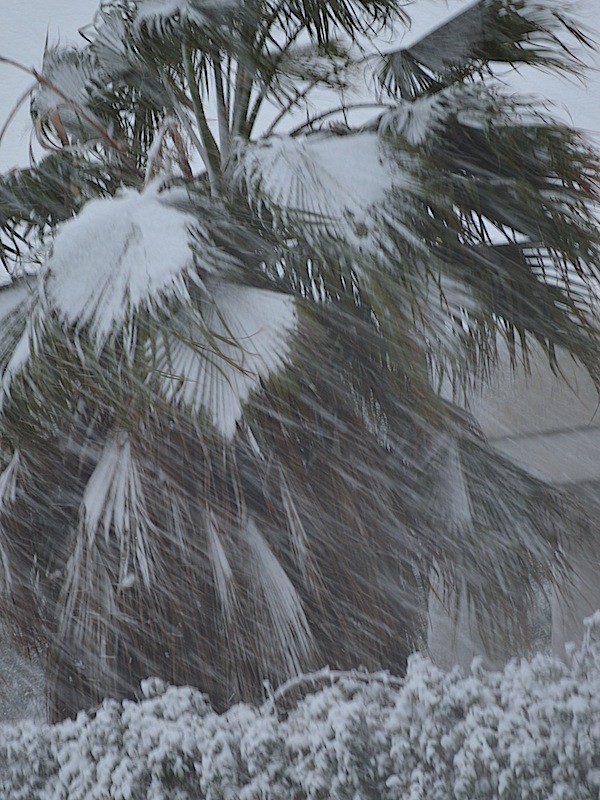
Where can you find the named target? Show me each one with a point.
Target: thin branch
(288, 107)
(342, 109)
(338, 110)
(326, 675)
(15, 110)
(268, 83)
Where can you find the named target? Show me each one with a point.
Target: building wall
(547, 422)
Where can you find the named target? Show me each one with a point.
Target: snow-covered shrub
(529, 732)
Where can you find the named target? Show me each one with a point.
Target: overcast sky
(24, 25)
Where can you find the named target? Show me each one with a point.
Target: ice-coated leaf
(215, 359)
(115, 256)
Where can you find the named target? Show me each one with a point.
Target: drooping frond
(211, 358)
(490, 522)
(114, 543)
(322, 18)
(488, 32)
(288, 620)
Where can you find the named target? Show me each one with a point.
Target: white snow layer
(530, 731)
(216, 360)
(333, 179)
(153, 15)
(117, 254)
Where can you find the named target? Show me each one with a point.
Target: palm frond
(136, 247)
(488, 32)
(321, 19)
(212, 359)
(62, 99)
(324, 183)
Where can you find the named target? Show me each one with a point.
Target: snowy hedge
(531, 731)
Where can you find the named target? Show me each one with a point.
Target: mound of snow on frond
(117, 254)
(531, 731)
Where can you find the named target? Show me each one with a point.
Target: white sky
(23, 28)
(24, 25)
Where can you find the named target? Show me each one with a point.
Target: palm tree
(227, 455)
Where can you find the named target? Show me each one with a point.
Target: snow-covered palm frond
(212, 358)
(116, 256)
(62, 99)
(162, 17)
(35, 200)
(431, 232)
(488, 31)
(110, 42)
(324, 183)
(417, 120)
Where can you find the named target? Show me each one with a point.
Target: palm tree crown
(227, 456)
